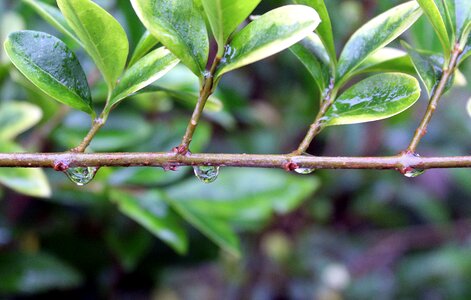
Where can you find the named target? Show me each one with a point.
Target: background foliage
(131, 232)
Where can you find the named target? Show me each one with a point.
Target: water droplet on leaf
(81, 175)
(206, 174)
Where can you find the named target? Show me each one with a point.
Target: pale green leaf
(147, 70)
(376, 34)
(16, 118)
(51, 66)
(324, 30)
(375, 98)
(462, 15)
(267, 35)
(226, 15)
(387, 60)
(152, 212)
(179, 25)
(433, 13)
(53, 16)
(102, 36)
(31, 182)
(10, 22)
(145, 44)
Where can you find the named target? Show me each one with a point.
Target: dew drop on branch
(81, 175)
(206, 174)
(305, 171)
(411, 172)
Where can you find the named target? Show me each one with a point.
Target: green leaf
(53, 16)
(32, 182)
(433, 14)
(145, 44)
(324, 30)
(226, 15)
(387, 60)
(187, 98)
(375, 98)
(259, 194)
(51, 66)
(102, 36)
(376, 34)
(16, 118)
(269, 34)
(179, 25)
(10, 22)
(149, 210)
(428, 66)
(311, 52)
(147, 70)
(26, 273)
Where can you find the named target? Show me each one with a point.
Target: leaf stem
(435, 98)
(96, 126)
(318, 124)
(207, 88)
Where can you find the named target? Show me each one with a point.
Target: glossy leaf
(428, 65)
(102, 36)
(149, 210)
(433, 13)
(257, 196)
(30, 273)
(51, 66)
(376, 34)
(462, 15)
(375, 98)
(269, 34)
(179, 25)
(32, 182)
(147, 70)
(311, 52)
(187, 98)
(226, 15)
(53, 16)
(16, 118)
(145, 44)
(324, 30)
(387, 60)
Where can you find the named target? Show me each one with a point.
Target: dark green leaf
(226, 15)
(53, 16)
(147, 70)
(267, 35)
(16, 118)
(312, 54)
(179, 25)
(428, 65)
(376, 34)
(51, 66)
(324, 29)
(375, 98)
(101, 35)
(145, 44)
(149, 210)
(25, 273)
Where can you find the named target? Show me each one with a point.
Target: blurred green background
(253, 234)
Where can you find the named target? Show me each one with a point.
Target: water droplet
(81, 175)
(305, 171)
(411, 172)
(206, 174)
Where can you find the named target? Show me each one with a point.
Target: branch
(433, 104)
(206, 91)
(97, 124)
(401, 162)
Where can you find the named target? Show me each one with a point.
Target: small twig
(97, 124)
(207, 89)
(436, 95)
(318, 124)
(170, 159)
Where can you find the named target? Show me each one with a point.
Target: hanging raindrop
(206, 174)
(410, 172)
(305, 171)
(81, 175)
